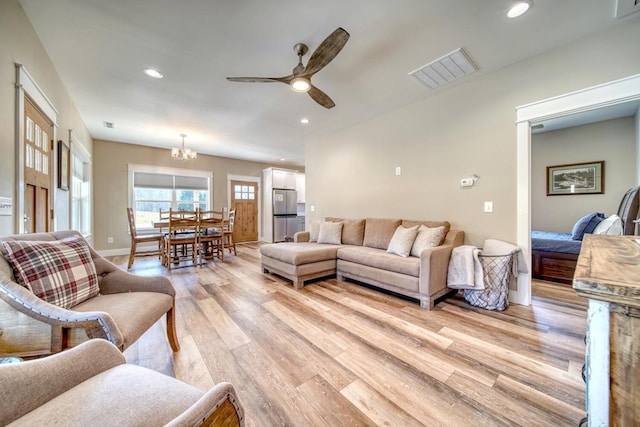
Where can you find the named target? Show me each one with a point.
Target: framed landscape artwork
(576, 178)
(63, 165)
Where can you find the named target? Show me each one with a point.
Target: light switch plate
(488, 206)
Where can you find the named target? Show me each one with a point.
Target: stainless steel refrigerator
(285, 222)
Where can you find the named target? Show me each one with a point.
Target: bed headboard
(629, 209)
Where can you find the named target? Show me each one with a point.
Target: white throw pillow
(611, 225)
(402, 240)
(427, 238)
(314, 231)
(330, 232)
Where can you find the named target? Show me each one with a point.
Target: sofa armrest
(28, 385)
(302, 236)
(97, 324)
(434, 264)
(219, 406)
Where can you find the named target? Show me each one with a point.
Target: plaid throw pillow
(60, 272)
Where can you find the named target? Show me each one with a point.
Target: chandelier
(181, 153)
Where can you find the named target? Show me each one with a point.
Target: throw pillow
(427, 238)
(612, 225)
(586, 224)
(60, 272)
(330, 232)
(402, 240)
(314, 230)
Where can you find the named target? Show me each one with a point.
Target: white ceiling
(100, 48)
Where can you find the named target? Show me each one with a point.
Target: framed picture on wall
(63, 165)
(575, 178)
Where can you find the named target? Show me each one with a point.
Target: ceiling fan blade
(320, 97)
(327, 50)
(285, 79)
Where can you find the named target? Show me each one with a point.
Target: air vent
(450, 67)
(108, 125)
(626, 7)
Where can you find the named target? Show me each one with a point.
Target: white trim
(257, 180)
(26, 85)
(604, 95)
(79, 150)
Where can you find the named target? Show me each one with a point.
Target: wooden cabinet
(285, 180)
(608, 273)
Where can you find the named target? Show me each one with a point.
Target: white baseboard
(115, 252)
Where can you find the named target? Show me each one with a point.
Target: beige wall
(110, 183)
(612, 141)
(467, 128)
(20, 44)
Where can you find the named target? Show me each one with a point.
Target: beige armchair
(91, 385)
(126, 305)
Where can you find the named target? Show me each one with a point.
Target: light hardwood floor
(336, 354)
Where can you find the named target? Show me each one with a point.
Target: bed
(554, 255)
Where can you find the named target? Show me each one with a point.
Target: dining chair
(182, 238)
(143, 238)
(163, 217)
(228, 232)
(211, 237)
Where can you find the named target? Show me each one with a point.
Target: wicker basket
(495, 295)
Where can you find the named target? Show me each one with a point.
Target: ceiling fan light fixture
(300, 84)
(519, 9)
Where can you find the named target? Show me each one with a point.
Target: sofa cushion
(60, 272)
(299, 253)
(352, 230)
(378, 232)
(402, 240)
(330, 233)
(380, 259)
(427, 238)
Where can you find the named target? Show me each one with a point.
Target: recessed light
(282, 160)
(108, 125)
(304, 121)
(153, 73)
(519, 9)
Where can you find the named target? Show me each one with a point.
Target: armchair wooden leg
(171, 329)
(132, 254)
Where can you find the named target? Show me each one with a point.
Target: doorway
(244, 199)
(586, 100)
(36, 124)
(37, 166)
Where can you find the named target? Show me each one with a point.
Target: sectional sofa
(406, 257)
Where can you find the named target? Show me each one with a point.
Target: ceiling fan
(300, 78)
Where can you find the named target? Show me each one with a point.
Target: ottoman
(299, 261)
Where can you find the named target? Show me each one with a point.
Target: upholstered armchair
(117, 306)
(91, 385)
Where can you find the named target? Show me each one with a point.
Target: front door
(38, 181)
(244, 199)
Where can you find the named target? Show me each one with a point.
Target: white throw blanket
(465, 270)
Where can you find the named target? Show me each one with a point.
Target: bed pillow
(330, 232)
(60, 272)
(586, 225)
(402, 240)
(612, 225)
(427, 238)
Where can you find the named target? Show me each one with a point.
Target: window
(80, 187)
(160, 189)
(246, 192)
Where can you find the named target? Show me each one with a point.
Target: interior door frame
(605, 95)
(256, 179)
(27, 86)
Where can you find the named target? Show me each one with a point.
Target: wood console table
(608, 273)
